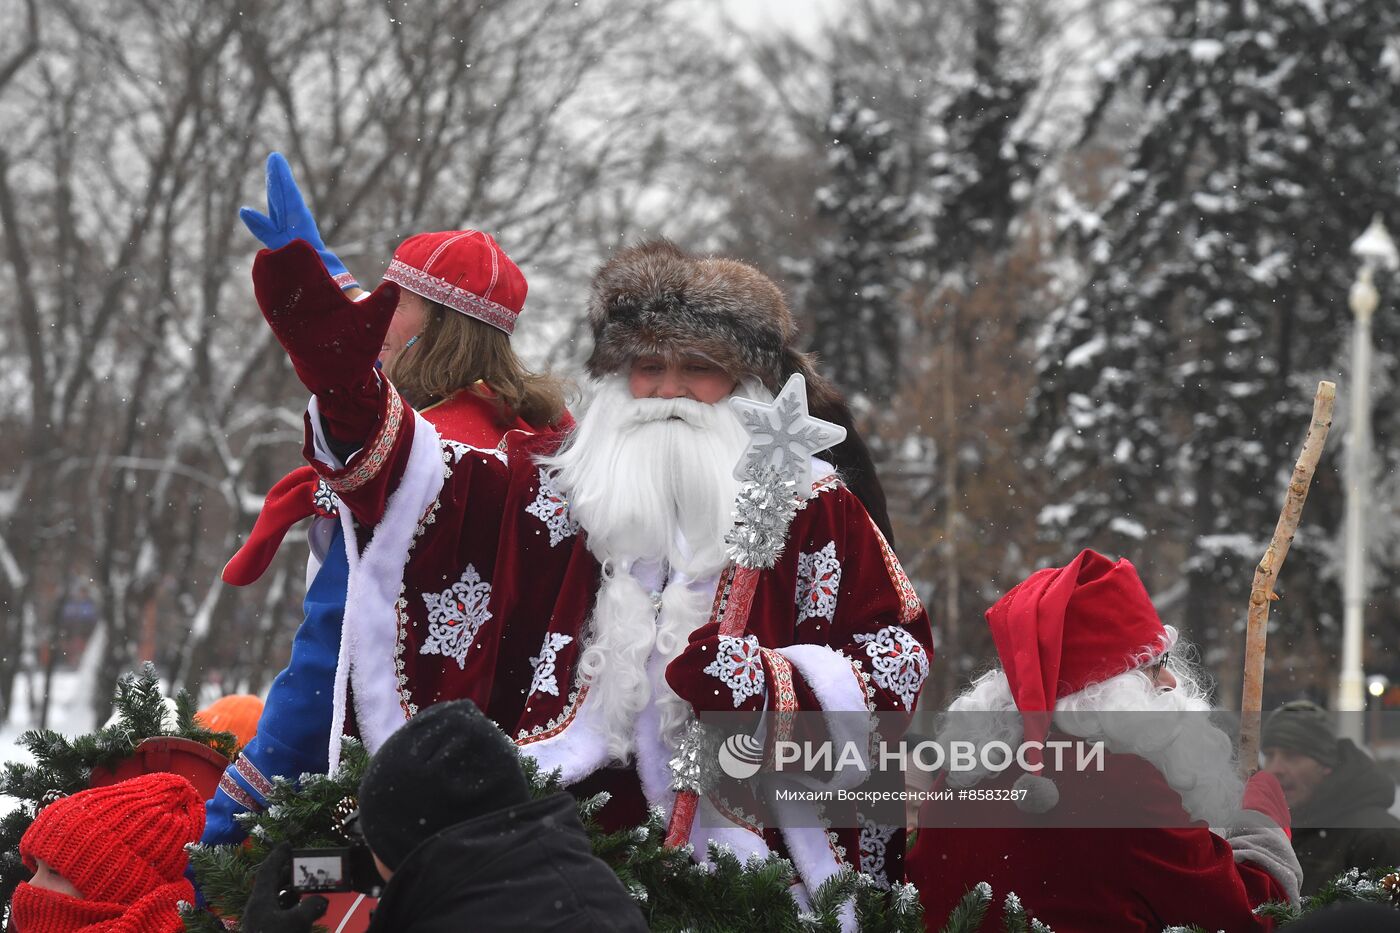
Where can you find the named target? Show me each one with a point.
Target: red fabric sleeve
(364, 484)
(834, 626)
(1190, 876)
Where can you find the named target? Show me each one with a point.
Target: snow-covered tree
(857, 324)
(1174, 386)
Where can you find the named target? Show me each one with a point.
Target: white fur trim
(376, 578)
(832, 678)
(653, 754)
(578, 749)
(810, 850)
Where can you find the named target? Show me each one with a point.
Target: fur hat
(656, 298)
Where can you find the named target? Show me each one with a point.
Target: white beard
(648, 480)
(1195, 757)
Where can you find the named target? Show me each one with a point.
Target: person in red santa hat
(571, 585)
(1085, 642)
(110, 859)
(448, 350)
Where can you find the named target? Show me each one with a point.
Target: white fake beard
(648, 480)
(1195, 757)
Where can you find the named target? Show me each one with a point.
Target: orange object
(237, 713)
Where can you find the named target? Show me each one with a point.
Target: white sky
(800, 16)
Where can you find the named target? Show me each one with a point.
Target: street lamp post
(1374, 249)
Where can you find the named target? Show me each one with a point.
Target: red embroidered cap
(465, 270)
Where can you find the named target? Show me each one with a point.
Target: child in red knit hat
(110, 859)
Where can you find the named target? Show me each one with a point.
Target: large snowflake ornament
(897, 661)
(782, 435)
(739, 664)
(455, 616)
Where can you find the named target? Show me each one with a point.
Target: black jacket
(529, 867)
(1346, 824)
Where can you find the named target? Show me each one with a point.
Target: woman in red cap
(448, 348)
(448, 353)
(110, 859)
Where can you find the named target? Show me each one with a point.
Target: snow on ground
(70, 712)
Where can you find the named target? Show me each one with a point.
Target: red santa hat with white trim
(465, 270)
(1061, 630)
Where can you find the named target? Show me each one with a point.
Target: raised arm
(333, 343)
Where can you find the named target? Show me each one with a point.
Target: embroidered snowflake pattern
(818, 582)
(874, 842)
(544, 680)
(552, 508)
(455, 616)
(324, 501)
(739, 663)
(897, 661)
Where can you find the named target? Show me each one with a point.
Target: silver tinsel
(693, 768)
(763, 510)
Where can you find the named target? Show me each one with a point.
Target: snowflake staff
(776, 470)
(573, 587)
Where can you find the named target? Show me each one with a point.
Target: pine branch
(64, 766)
(967, 917)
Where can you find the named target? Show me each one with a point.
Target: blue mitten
(288, 218)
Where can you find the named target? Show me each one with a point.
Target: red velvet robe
(1176, 872)
(476, 583)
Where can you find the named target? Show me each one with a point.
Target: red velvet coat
(476, 583)
(1091, 880)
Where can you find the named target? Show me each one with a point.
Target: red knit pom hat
(465, 270)
(1062, 629)
(117, 844)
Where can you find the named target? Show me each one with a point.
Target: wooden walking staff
(776, 472)
(1266, 574)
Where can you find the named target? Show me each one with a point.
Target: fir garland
(674, 893)
(62, 767)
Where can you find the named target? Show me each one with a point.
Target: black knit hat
(447, 765)
(1305, 727)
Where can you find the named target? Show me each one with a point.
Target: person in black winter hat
(447, 813)
(445, 808)
(1340, 798)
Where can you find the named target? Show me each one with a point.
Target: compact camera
(335, 868)
(342, 868)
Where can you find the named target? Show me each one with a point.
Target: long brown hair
(455, 351)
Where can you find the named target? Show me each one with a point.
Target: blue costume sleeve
(294, 730)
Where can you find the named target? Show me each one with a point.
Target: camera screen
(320, 872)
